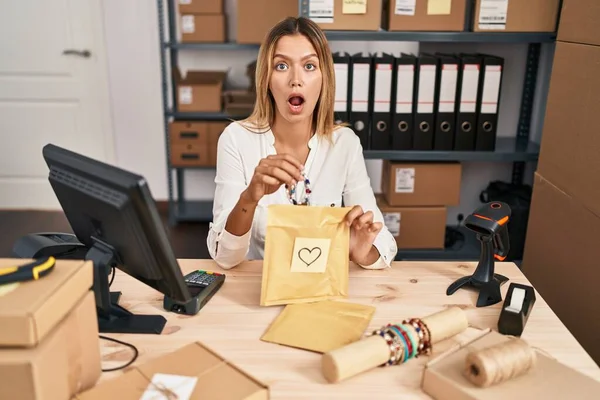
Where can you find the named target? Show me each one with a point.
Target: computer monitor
(111, 211)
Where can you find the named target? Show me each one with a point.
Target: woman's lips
(296, 104)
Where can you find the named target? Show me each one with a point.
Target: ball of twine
(499, 363)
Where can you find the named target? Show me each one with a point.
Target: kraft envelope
(321, 327)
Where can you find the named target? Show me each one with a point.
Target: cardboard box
(259, 16)
(203, 28)
(239, 102)
(34, 308)
(561, 260)
(579, 22)
(443, 377)
(421, 184)
(188, 132)
(415, 227)
(424, 16)
(516, 15)
(200, 90)
(64, 363)
(348, 17)
(216, 378)
(570, 143)
(200, 6)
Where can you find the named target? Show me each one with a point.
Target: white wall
(134, 71)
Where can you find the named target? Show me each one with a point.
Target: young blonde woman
(290, 150)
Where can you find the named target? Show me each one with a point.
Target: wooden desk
(233, 322)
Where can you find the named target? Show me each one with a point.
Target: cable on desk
(112, 278)
(135, 353)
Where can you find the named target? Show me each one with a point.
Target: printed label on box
(182, 387)
(321, 11)
(406, 7)
(310, 255)
(185, 95)
(185, 2)
(492, 14)
(188, 24)
(405, 180)
(392, 222)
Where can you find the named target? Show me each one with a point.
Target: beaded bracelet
(395, 348)
(307, 192)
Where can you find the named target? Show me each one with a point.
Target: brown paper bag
(306, 254)
(321, 327)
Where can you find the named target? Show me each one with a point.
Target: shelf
(211, 46)
(452, 37)
(432, 37)
(467, 250)
(507, 150)
(203, 116)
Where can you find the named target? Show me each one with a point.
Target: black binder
(446, 102)
(426, 78)
(381, 121)
(360, 93)
(341, 64)
(492, 68)
(466, 119)
(403, 100)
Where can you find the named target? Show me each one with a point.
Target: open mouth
(296, 102)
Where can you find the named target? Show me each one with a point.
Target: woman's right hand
(272, 172)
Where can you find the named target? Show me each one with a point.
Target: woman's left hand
(363, 232)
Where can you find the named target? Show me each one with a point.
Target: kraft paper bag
(306, 255)
(321, 326)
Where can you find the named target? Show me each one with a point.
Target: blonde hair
(263, 115)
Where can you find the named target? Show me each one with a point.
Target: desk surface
(233, 322)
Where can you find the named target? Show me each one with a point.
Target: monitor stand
(112, 318)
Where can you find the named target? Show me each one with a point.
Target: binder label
(491, 89)
(341, 87)
(426, 89)
(405, 7)
(383, 88)
(185, 95)
(404, 89)
(188, 24)
(405, 180)
(392, 222)
(470, 82)
(448, 88)
(321, 11)
(492, 14)
(360, 87)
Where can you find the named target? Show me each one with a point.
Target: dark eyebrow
(303, 58)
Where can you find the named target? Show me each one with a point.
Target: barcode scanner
(490, 223)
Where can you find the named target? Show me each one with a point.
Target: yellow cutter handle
(31, 271)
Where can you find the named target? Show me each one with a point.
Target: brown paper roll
(373, 351)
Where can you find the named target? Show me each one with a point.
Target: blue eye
(312, 66)
(282, 65)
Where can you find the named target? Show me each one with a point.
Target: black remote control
(202, 286)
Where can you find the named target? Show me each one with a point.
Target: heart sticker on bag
(309, 256)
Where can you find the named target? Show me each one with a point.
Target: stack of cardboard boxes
(195, 143)
(202, 21)
(49, 344)
(564, 225)
(415, 200)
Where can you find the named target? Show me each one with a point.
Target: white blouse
(337, 174)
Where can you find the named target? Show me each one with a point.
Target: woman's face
(296, 78)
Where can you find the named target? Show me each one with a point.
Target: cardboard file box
(426, 15)
(579, 22)
(348, 16)
(64, 363)
(256, 17)
(202, 28)
(205, 373)
(443, 377)
(29, 311)
(200, 90)
(516, 15)
(421, 184)
(200, 6)
(415, 227)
